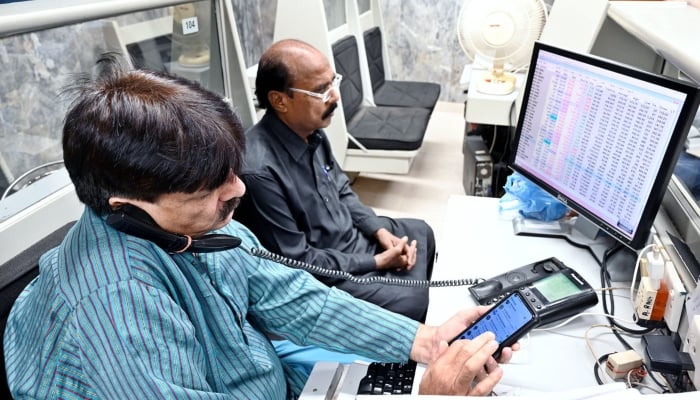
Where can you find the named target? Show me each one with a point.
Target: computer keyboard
(388, 378)
(332, 380)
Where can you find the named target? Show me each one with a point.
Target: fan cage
(514, 24)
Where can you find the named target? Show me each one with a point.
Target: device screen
(508, 320)
(555, 287)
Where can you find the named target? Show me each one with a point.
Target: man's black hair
(140, 134)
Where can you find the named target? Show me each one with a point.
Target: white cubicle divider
(236, 81)
(355, 27)
(369, 19)
(574, 25)
(307, 20)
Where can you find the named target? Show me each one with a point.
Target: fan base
(197, 58)
(490, 83)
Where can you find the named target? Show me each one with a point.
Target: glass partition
(181, 39)
(363, 6)
(335, 13)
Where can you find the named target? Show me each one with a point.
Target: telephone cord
(338, 274)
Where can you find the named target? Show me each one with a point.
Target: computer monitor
(603, 138)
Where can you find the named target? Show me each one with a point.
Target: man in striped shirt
(154, 292)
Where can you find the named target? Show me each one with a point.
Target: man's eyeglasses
(325, 96)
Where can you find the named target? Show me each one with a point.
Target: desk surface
(476, 242)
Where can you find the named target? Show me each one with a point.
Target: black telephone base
(493, 289)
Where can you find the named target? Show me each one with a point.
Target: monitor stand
(581, 232)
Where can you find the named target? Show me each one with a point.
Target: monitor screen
(602, 137)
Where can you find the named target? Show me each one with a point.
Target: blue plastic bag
(529, 200)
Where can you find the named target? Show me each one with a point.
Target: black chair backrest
(15, 274)
(347, 63)
(375, 58)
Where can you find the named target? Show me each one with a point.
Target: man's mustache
(329, 111)
(229, 206)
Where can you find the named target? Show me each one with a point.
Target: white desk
(476, 242)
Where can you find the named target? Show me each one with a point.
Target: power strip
(691, 345)
(676, 290)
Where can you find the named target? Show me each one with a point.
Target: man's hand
(397, 254)
(428, 344)
(464, 368)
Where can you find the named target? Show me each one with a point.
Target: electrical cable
(510, 144)
(613, 288)
(606, 282)
(597, 367)
(598, 360)
(504, 153)
(667, 387)
(614, 328)
(493, 140)
(636, 267)
(567, 321)
(640, 384)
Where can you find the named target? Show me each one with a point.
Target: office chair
(15, 275)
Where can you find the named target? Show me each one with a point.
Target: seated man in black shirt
(299, 202)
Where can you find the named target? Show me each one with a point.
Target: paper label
(190, 26)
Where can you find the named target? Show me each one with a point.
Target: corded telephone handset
(135, 221)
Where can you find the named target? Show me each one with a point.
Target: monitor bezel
(665, 171)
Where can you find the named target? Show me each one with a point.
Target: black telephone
(135, 221)
(553, 289)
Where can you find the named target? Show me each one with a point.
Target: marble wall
(420, 34)
(422, 43)
(421, 37)
(256, 26)
(33, 71)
